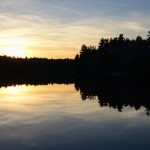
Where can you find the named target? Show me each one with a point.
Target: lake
(56, 117)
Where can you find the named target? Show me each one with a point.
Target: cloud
(53, 29)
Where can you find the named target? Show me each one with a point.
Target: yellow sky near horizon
(56, 29)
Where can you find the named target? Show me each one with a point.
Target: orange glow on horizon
(18, 47)
(13, 47)
(13, 52)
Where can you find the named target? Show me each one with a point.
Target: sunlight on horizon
(13, 47)
(24, 47)
(13, 52)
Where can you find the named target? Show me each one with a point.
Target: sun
(13, 52)
(13, 47)
(14, 90)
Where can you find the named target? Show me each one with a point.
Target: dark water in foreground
(54, 117)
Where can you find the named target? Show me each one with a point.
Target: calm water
(54, 117)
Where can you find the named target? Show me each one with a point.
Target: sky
(58, 28)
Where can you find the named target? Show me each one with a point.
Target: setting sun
(13, 52)
(13, 47)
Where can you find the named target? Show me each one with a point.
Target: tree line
(34, 66)
(114, 56)
(117, 55)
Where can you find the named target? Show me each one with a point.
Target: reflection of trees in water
(117, 93)
(37, 79)
(114, 92)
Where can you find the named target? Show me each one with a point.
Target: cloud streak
(58, 29)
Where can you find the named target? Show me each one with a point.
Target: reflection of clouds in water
(45, 103)
(51, 103)
(55, 115)
(130, 113)
(30, 144)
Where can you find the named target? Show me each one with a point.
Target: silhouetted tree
(148, 36)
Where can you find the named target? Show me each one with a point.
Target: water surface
(55, 117)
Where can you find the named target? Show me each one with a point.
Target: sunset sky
(58, 28)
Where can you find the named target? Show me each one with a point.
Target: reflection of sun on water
(13, 93)
(16, 90)
(33, 94)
